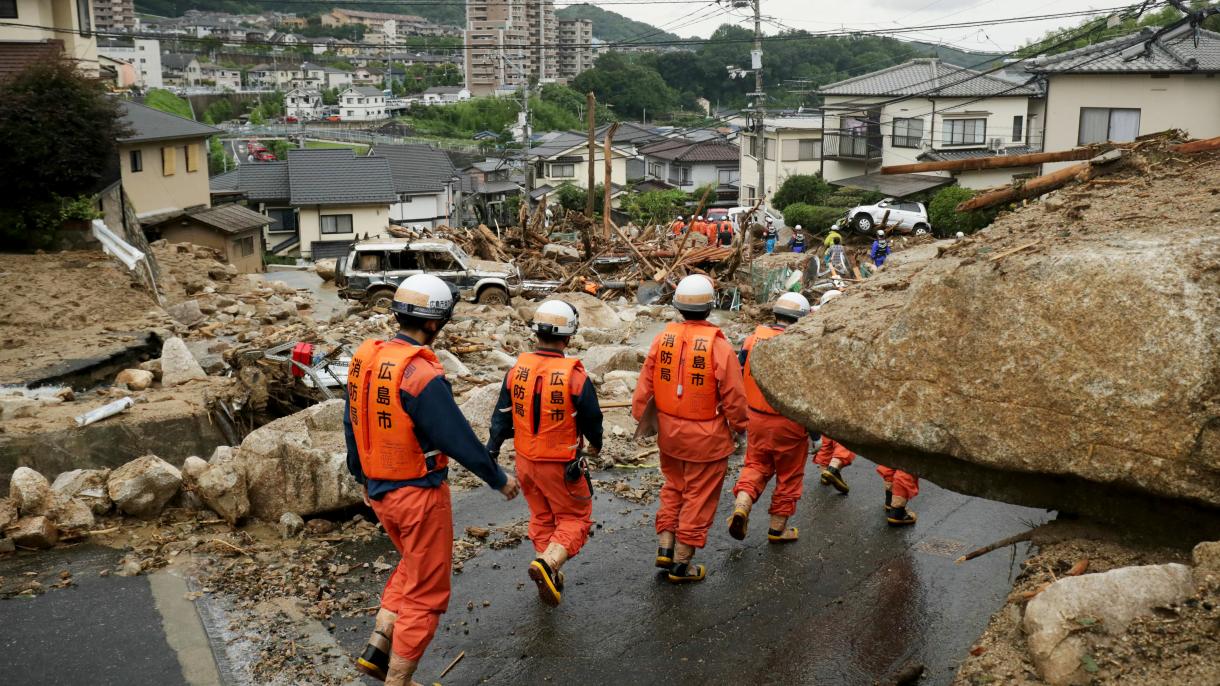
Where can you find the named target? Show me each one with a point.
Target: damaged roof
(927, 76)
(230, 218)
(417, 168)
(1165, 55)
(942, 155)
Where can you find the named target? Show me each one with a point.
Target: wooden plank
(1197, 146)
(1024, 246)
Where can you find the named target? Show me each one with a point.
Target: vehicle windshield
(461, 254)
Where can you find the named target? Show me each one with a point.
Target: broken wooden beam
(1197, 146)
(994, 162)
(1044, 184)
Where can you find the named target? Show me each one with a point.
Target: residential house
(219, 77)
(563, 158)
(425, 182)
(163, 162)
(116, 74)
(1131, 86)
(277, 77)
(233, 230)
(798, 142)
(36, 30)
(319, 201)
(442, 95)
(687, 165)
(143, 53)
(362, 103)
(368, 76)
(180, 69)
(320, 76)
(925, 109)
(303, 103)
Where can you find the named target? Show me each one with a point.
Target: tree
(804, 188)
(947, 221)
(655, 207)
(812, 218)
(218, 159)
(61, 130)
(630, 87)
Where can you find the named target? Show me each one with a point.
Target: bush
(655, 207)
(809, 189)
(812, 218)
(947, 221)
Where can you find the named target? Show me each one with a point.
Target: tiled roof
(1174, 55)
(338, 177)
(444, 90)
(176, 60)
(264, 181)
(15, 57)
(367, 91)
(226, 182)
(941, 155)
(148, 124)
(630, 132)
(231, 218)
(681, 150)
(926, 76)
(417, 168)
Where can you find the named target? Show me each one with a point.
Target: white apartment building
(362, 103)
(789, 146)
(303, 103)
(142, 53)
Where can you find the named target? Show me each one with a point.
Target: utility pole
(591, 105)
(759, 105)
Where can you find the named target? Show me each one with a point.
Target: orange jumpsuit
(776, 445)
(902, 484)
(695, 452)
(831, 450)
(678, 227)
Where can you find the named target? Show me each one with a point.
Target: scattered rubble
(143, 486)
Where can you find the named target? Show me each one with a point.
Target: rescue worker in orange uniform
(900, 488)
(678, 226)
(776, 446)
(547, 404)
(402, 426)
(699, 226)
(694, 379)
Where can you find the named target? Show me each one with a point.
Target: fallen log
(995, 162)
(1197, 146)
(1044, 184)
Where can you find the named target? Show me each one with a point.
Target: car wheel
(381, 299)
(921, 229)
(864, 223)
(493, 295)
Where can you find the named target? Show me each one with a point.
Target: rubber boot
(375, 660)
(780, 532)
(550, 588)
(685, 572)
(400, 672)
(665, 550)
(832, 476)
(899, 516)
(889, 498)
(739, 521)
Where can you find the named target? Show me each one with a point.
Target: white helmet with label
(792, 305)
(556, 318)
(695, 293)
(424, 296)
(828, 296)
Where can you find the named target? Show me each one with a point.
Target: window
(1101, 124)
(561, 171)
(679, 175)
(728, 177)
(440, 261)
(770, 148)
(191, 152)
(405, 199)
(907, 133)
(246, 245)
(84, 16)
(654, 169)
(810, 149)
(965, 131)
(404, 260)
(1018, 128)
(283, 220)
(167, 161)
(136, 160)
(337, 223)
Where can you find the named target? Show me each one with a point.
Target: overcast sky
(697, 18)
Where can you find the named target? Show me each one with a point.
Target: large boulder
(594, 313)
(33, 532)
(1023, 365)
(298, 464)
(1110, 600)
(143, 486)
(186, 312)
(325, 268)
(601, 359)
(178, 365)
(478, 405)
(86, 485)
(29, 491)
(134, 379)
(8, 513)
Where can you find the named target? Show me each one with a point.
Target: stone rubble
(143, 486)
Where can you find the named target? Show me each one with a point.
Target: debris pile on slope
(1070, 345)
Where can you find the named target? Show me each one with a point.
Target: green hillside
(613, 27)
(960, 58)
(453, 14)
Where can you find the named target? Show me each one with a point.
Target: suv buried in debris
(372, 270)
(898, 214)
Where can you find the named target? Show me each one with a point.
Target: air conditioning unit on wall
(996, 145)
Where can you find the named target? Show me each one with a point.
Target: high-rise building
(575, 47)
(114, 15)
(509, 42)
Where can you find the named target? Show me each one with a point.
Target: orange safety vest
(684, 377)
(754, 396)
(678, 227)
(385, 434)
(547, 380)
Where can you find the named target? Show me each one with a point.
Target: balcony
(851, 146)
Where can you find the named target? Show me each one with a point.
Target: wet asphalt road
(851, 603)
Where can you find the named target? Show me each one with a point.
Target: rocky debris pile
(1047, 347)
(1102, 611)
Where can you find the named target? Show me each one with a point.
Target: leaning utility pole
(591, 105)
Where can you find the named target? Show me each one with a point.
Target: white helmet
(770, 220)
(424, 296)
(699, 218)
(792, 305)
(695, 293)
(679, 217)
(556, 318)
(797, 228)
(828, 296)
(880, 233)
(960, 235)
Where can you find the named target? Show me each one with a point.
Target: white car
(903, 215)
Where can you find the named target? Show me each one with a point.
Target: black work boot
(889, 498)
(832, 476)
(665, 558)
(375, 660)
(899, 516)
(685, 572)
